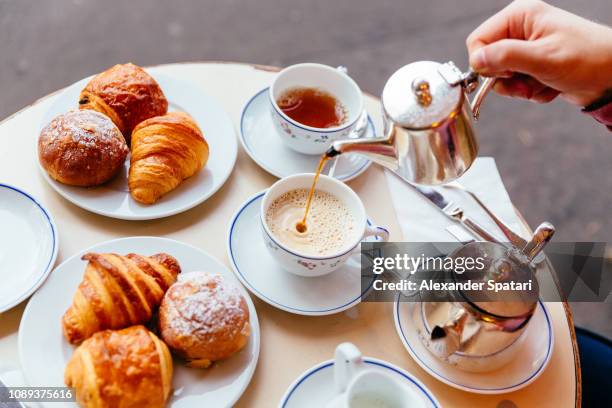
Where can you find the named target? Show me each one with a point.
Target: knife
(454, 212)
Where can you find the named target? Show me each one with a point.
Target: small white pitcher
(358, 386)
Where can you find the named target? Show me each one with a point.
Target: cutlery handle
(473, 226)
(476, 228)
(514, 238)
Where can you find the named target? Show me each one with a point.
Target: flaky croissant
(118, 291)
(121, 369)
(165, 150)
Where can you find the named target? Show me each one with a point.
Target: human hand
(541, 51)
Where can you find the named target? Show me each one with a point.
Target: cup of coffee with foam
(314, 105)
(336, 224)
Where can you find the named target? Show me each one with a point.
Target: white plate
(44, 352)
(315, 387)
(261, 141)
(520, 372)
(257, 270)
(28, 245)
(113, 198)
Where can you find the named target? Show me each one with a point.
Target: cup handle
(347, 359)
(376, 231)
(371, 231)
(342, 69)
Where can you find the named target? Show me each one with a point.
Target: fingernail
(478, 60)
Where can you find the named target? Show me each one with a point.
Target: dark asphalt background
(555, 161)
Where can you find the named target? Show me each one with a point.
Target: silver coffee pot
(481, 330)
(428, 132)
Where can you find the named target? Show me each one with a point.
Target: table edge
(570, 320)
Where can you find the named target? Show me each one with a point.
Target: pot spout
(379, 150)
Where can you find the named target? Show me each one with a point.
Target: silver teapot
(483, 330)
(428, 132)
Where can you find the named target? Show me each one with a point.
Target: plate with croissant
(134, 144)
(141, 321)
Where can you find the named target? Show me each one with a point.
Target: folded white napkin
(421, 221)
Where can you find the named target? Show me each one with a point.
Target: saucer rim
(358, 172)
(369, 360)
(262, 296)
(490, 391)
(44, 272)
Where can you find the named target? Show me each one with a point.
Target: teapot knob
(421, 89)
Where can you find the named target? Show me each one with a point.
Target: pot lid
(423, 94)
(518, 291)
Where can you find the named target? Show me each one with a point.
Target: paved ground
(555, 162)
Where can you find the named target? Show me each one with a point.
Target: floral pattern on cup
(312, 266)
(304, 140)
(308, 265)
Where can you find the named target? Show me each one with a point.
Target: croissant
(118, 291)
(125, 93)
(165, 151)
(120, 369)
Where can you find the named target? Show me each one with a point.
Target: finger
(524, 87)
(545, 95)
(513, 88)
(519, 86)
(503, 74)
(507, 23)
(508, 55)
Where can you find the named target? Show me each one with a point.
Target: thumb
(507, 55)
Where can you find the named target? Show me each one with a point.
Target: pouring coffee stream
(301, 226)
(428, 134)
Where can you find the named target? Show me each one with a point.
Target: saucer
(261, 274)
(315, 387)
(519, 373)
(261, 141)
(28, 245)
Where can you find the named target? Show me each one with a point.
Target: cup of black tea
(313, 105)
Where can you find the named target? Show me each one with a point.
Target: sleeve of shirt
(601, 110)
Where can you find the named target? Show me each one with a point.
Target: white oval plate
(113, 199)
(315, 387)
(519, 373)
(28, 245)
(261, 274)
(44, 351)
(260, 140)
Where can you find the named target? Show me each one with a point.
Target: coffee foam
(330, 224)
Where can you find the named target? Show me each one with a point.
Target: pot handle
(482, 91)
